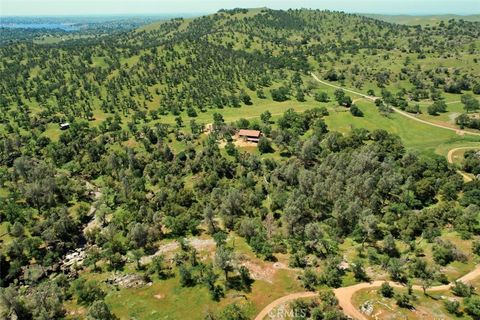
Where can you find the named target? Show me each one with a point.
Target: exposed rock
(344, 265)
(74, 258)
(367, 308)
(128, 281)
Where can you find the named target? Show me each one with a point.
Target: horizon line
(198, 13)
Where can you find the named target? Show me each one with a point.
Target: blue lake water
(62, 26)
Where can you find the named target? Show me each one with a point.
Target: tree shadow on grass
(236, 283)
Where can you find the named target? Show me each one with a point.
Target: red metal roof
(249, 133)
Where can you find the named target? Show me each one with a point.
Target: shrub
(386, 290)
(191, 112)
(309, 279)
(298, 260)
(452, 306)
(87, 291)
(264, 145)
(280, 94)
(359, 271)
(445, 252)
(233, 312)
(186, 277)
(355, 111)
(472, 306)
(321, 97)
(332, 275)
(403, 301)
(442, 278)
(230, 149)
(100, 311)
(476, 247)
(461, 289)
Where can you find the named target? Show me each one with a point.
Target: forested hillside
(149, 181)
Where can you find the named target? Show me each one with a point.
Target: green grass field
(416, 136)
(422, 20)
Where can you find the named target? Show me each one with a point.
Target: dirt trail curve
(465, 176)
(345, 294)
(283, 300)
(405, 114)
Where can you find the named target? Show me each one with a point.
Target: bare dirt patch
(199, 244)
(260, 272)
(243, 143)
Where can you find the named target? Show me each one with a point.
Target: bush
(245, 98)
(359, 271)
(321, 97)
(332, 75)
(309, 279)
(432, 110)
(100, 311)
(186, 277)
(445, 252)
(230, 149)
(476, 88)
(87, 291)
(476, 247)
(191, 112)
(345, 101)
(233, 312)
(332, 275)
(261, 94)
(442, 278)
(437, 107)
(472, 306)
(298, 260)
(471, 162)
(300, 96)
(355, 111)
(386, 290)
(413, 109)
(452, 306)
(461, 289)
(403, 301)
(280, 94)
(264, 145)
(159, 267)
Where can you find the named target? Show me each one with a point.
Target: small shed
(250, 135)
(64, 126)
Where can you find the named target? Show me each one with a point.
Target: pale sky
(136, 7)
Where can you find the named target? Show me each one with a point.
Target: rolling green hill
(147, 204)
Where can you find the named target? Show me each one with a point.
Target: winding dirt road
(283, 300)
(345, 294)
(403, 113)
(465, 176)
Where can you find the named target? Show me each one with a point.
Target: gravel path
(345, 294)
